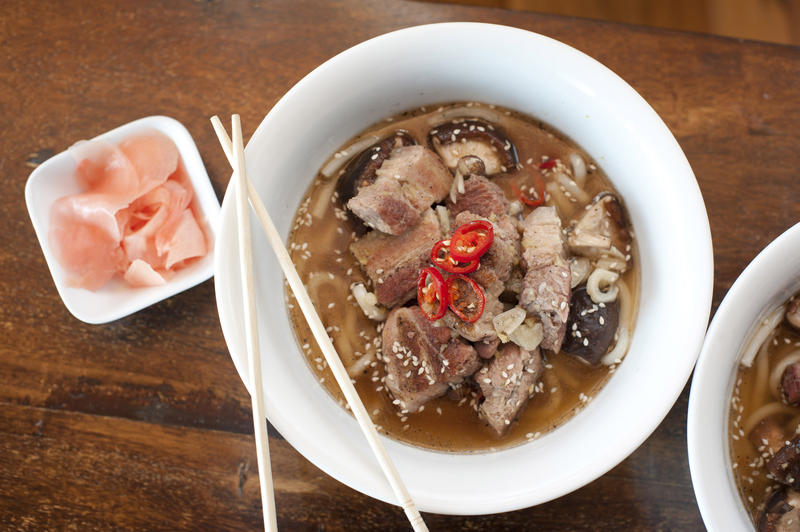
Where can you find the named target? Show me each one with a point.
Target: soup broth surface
(319, 242)
(754, 398)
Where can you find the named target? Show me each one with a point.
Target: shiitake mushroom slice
(472, 136)
(590, 327)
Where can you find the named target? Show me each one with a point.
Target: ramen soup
(765, 420)
(476, 272)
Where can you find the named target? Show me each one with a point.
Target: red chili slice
(550, 163)
(526, 199)
(465, 297)
(440, 255)
(471, 240)
(432, 297)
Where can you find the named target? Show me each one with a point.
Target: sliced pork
(422, 361)
(393, 262)
(406, 185)
(481, 197)
(362, 168)
(546, 285)
(507, 382)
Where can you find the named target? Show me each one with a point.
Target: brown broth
(318, 245)
(750, 393)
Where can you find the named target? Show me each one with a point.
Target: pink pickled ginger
(136, 219)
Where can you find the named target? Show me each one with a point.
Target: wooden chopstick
(331, 356)
(251, 327)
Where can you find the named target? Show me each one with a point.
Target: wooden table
(143, 423)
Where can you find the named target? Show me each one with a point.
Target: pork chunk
(407, 183)
(481, 197)
(546, 285)
(393, 262)
(481, 330)
(488, 348)
(422, 360)
(504, 253)
(507, 382)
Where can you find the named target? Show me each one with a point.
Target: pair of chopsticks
(234, 151)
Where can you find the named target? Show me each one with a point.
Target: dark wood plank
(62, 469)
(144, 423)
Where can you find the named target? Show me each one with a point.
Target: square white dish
(55, 178)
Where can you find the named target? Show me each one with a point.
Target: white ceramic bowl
(55, 178)
(768, 281)
(549, 80)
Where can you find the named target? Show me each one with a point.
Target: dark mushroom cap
(790, 385)
(785, 464)
(498, 145)
(471, 165)
(767, 435)
(360, 171)
(590, 327)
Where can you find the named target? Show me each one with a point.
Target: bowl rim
(778, 267)
(692, 334)
(116, 300)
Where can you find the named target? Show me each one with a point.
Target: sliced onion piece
(444, 218)
(368, 302)
(572, 187)
(528, 335)
(507, 322)
(580, 268)
(578, 168)
(360, 365)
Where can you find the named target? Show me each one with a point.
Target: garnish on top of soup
(765, 420)
(475, 271)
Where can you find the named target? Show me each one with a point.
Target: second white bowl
(768, 281)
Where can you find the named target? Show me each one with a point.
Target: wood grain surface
(144, 423)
